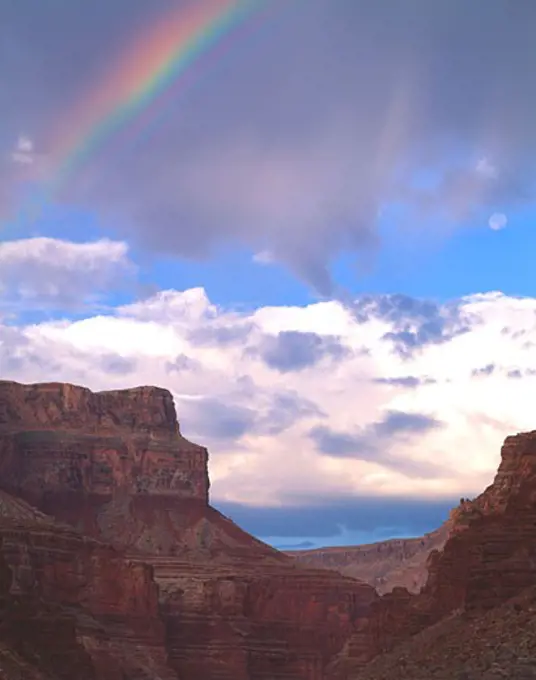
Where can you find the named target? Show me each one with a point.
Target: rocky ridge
(384, 565)
(488, 561)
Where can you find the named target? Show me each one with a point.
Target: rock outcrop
(61, 440)
(115, 466)
(488, 559)
(71, 607)
(399, 562)
(499, 644)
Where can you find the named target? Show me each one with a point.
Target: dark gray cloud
(328, 112)
(518, 373)
(182, 364)
(372, 443)
(494, 369)
(215, 419)
(221, 419)
(382, 516)
(14, 351)
(117, 364)
(221, 335)
(513, 332)
(399, 422)
(483, 371)
(285, 410)
(294, 350)
(303, 545)
(416, 322)
(395, 309)
(408, 381)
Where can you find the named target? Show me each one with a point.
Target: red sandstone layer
(71, 607)
(116, 466)
(231, 608)
(488, 559)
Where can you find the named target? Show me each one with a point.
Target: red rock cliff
(488, 558)
(115, 466)
(58, 438)
(71, 607)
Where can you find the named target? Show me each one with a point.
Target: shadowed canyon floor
(113, 565)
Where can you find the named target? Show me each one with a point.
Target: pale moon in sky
(498, 221)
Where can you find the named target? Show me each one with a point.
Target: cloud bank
(50, 273)
(296, 404)
(334, 114)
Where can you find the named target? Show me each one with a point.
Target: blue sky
(309, 237)
(473, 259)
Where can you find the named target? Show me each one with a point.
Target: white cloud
(23, 153)
(48, 272)
(257, 418)
(263, 257)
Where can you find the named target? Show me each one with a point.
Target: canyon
(114, 566)
(107, 528)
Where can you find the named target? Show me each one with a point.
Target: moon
(498, 221)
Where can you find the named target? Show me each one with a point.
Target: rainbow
(156, 62)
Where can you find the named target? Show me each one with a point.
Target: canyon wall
(488, 558)
(115, 467)
(71, 607)
(384, 565)
(113, 565)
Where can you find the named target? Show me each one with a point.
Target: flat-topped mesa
(42, 406)
(115, 466)
(63, 438)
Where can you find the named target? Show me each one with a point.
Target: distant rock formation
(384, 565)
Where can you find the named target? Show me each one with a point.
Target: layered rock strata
(384, 565)
(71, 607)
(116, 467)
(150, 581)
(488, 559)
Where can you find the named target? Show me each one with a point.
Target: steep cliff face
(384, 565)
(71, 607)
(264, 622)
(488, 559)
(116, 467)
(64, 440)
(491, 553)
